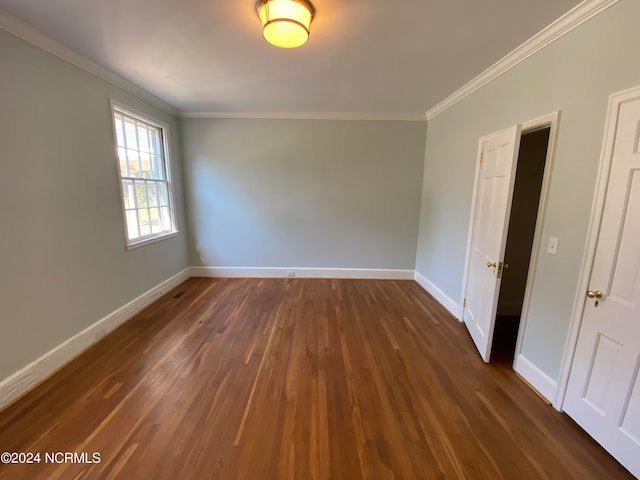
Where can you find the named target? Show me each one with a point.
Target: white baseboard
(446, 301)
(281, 272)
(545, 385)
(23, 380)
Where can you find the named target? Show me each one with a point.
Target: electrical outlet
(291, 274)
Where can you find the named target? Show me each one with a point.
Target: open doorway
(529, 177)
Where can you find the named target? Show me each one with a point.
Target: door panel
(627, 265)
(630, 423)
(491, 207)
(605, 359)
(603, 394)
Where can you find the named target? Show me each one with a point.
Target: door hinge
(464, 303)
(481, 158)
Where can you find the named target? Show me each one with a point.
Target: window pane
(143, 138)
(156, 223)
(152, 194)
(134, 166)
(122, 159)
(157, 169)
(119, 134)
(166, 219)
(130, 133)
(141, 194)
(145, 224)
(163, 196)
(127, 192)
(156, 141)
(132, 224)
(145, 166)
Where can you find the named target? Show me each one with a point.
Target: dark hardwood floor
(294, 379)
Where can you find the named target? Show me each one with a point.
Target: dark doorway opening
(522, 225)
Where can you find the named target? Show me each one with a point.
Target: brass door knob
(492, 264)
(595, 294)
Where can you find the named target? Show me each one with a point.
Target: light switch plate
(552, 247)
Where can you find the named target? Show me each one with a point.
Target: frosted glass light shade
(285, 23)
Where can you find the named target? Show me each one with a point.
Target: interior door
(603, 393)
(498, 155)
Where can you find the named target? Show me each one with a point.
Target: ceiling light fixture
(285, 23)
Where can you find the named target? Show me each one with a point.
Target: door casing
(579, 303)
(551, 121)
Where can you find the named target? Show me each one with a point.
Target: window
(145, 178)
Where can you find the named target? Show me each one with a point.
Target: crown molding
(572, 19)
(403, 117)
(29, 34)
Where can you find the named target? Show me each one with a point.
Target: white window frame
(140, 241)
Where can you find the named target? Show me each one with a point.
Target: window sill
(142, 243)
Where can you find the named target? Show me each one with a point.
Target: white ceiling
(393, 57)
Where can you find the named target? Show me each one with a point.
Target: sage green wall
(63, 259)
(303, 193)
(576, 74)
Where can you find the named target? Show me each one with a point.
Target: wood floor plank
(240, 379)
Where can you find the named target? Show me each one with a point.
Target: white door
(495, 175)
(603, 394)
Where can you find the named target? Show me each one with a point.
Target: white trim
(446, 301)
(297, 272)
(551, 120)
(402, 117)
(593, 229)
(14, 386)
(31, 35)
(144, 243)
(539, 380)
(570, 20)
